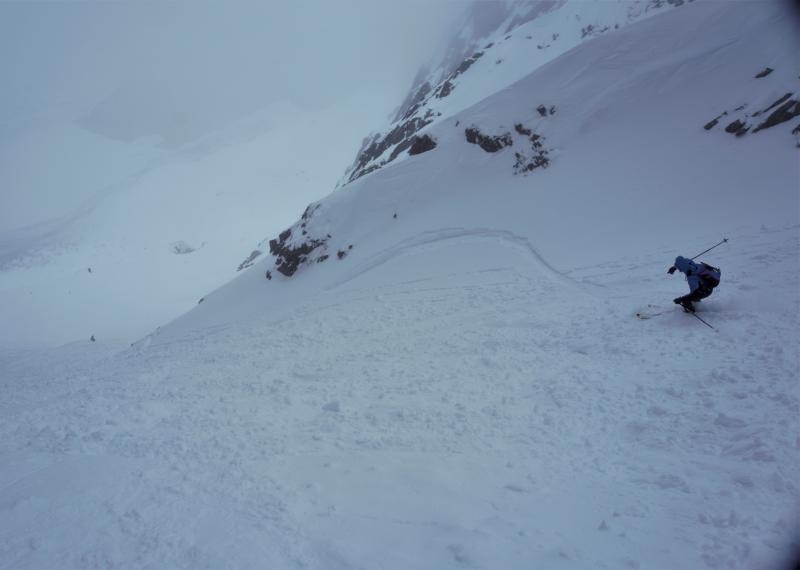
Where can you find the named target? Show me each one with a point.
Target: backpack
(709, 275)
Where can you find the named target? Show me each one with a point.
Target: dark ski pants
(696, 295)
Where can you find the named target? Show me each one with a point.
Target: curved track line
(449, 234)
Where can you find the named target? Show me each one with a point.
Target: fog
(128, 127)
(222, 58)
(166, 74)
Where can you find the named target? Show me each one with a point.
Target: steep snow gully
(484, 415)
(462, 382)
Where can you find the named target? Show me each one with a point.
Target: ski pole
(725, 240)
(695, 315)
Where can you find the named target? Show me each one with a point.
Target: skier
(702, 279)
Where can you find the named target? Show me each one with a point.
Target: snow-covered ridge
(537, 122)
(498, 44)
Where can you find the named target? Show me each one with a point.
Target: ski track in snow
(488, 418)
(446, 236)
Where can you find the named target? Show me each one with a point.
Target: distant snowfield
(110, 267)
(468, 386)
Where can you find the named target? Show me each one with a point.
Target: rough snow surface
(490, 413)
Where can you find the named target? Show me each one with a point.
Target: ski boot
(685, 303)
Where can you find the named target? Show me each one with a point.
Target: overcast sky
(218, 59)
(83, 80)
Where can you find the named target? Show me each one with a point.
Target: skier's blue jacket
(695, 273)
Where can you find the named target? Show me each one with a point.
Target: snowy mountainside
(458, 404)
(467, 385)
(617, 129)
(497, 44)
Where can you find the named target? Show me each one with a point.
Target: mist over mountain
(128, 127)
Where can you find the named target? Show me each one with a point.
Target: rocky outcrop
(403, 135)
(422, 144)
(737, 128)
(785, 112)
(537, 157)
(296, 246)
(374, 149)
(713, 122)
(764, 72)
(486, 142)
(483, 35)
(544, 111)
(447, 86)
(783, 109)
(288, 257)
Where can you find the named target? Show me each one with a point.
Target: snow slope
(157, 228)
(498, 43)
(630, 165)
(486, 414)
(468, 386)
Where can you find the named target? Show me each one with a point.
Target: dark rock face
(520, 128)
(525, 164)
(447, 85)
(773, 105)
(445, 89)
(592, 30)
(294, 247)
(784, 109)
(713, 122)
(421, 144)
(401, 136)
(544, 111)
(402, 133)
(416, 101)
(737, 127)
(441, 79)
(785, 112)
(400, 149)
(288, 258)
(763, 73)
(538, 156)
(290, 254)
(488, 143)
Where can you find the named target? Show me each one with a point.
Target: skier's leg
(685, 302)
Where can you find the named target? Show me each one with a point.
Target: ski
(654, 311)
(651, 311)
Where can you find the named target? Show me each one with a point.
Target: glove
(671, 270)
